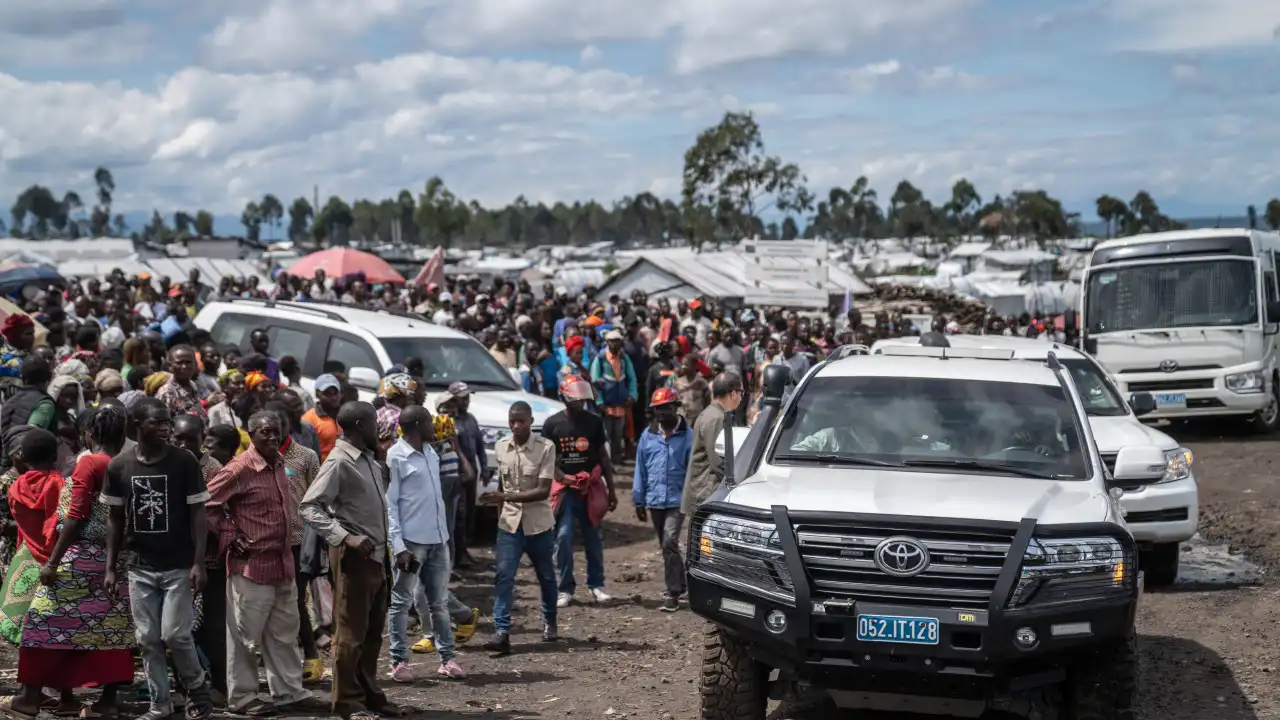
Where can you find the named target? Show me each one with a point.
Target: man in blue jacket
(662, 459)
(614, 379)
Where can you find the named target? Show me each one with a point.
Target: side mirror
(1140, 465)
(776, 380)
(1273, 312)
(1143, 403)
(364, 378)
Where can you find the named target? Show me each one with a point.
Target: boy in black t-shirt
(583, 466)
(157, 493)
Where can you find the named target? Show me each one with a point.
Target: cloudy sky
(203, 104)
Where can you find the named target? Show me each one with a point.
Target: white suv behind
(367, 343)
(1160, 515)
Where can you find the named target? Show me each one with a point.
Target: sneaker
(600, 596)
(426, 645)
(500, 645)
(451, 669)
(465, 631)
(670, 604)
(550, 634)
(401, 673)
(563, 600)
(312, 670)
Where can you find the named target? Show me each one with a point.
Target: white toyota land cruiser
(1160, 515)
(925, 529)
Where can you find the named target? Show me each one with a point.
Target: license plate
(1171, 400)
(895, 629)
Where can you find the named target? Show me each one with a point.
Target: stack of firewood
(968, 312)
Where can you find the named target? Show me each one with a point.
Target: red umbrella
(341, 262)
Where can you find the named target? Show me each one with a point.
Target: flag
(432, 270)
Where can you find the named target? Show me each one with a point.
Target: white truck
(1192, 317)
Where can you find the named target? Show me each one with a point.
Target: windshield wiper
(835, 458)
(981, 465)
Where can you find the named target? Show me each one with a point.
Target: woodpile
(968, 312)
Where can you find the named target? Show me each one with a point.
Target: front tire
(732, 684)
(1160, 564)
(1105, 686)
(1267, 420)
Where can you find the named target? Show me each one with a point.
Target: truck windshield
(1201, 293)
(934, 424)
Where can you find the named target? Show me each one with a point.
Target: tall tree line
(732, 188)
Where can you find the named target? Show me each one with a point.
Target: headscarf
(574, 343)
(595, 321)
(73, 367)
(155, 381)
(62, 382)
(108, 380)
(397, 385)
(254, 379)
(14, 325)
(230, 376)
(131, 398)
(112, 337)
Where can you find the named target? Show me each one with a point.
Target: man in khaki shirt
(526, 467)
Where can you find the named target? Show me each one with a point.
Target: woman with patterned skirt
(76, 632)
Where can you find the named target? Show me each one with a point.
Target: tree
(38, 205)
(1113, 211)
(1273, 213)
(204, 223)
(271, 212)
(182, 222)
(727, 169)
(964, 200)
(442, 218)
(251, 218)
(300, 215)
(1253, 217)
(333, 222)
(100, 218)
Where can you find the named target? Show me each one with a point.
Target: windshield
(448, 360)
(934, 424)
(1171, 295)
(1096, 391)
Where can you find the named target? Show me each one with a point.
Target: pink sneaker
(401, 673)
(451, 669)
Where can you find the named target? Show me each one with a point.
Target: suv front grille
(963, 564)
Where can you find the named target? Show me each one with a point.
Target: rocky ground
(1209, 646)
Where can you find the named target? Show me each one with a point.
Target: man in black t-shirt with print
(585, 476)
(157, 493)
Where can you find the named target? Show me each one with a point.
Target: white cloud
(896, 75)
(66, 33)
(591, 55)
(1192, 25)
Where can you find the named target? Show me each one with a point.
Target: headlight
(1249, 382)
(1073, 570)
(1178, 464)
(493, 434)
(740, 552)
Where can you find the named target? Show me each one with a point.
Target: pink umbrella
(341, 262)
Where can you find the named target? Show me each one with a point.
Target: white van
(367, 343)
(1192, 317)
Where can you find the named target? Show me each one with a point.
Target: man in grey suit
(706, 467)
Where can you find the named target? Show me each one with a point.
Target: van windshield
(1202, 293)
(450, 360)
(934, 424)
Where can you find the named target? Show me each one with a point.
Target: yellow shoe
(312, 670)
(464, 631)
(425, 645)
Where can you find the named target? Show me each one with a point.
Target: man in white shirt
(418, 531)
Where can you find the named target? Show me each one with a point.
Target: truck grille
(963, 564)
(1167, 385)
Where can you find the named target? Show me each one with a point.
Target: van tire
(732, 685)
(1160, 564)
(1267, 421)
(1104, 685)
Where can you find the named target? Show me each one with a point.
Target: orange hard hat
(663, 396)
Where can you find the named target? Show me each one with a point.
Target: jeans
(667, 523)
(615, 428)
(162, 614)
(573, 511)
(433, 576)
(507, 549)
(211, 638)
(459, 612)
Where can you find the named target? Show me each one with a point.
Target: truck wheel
(1160, 564)
(732, 685)
(1105, 685)
(1267, 420)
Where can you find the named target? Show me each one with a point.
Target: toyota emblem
(1169, 366)
(902, 557)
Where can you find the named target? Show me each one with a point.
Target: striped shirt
(301, 465)
(252, 501)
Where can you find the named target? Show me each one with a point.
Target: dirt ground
(1210, 650)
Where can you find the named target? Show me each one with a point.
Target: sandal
(198, 711)
(256, 707)
(6, 706)
(92, 712)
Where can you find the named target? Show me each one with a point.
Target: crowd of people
(187, 504)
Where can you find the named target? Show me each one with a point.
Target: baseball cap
(327, 381)
(443, 398)
(613, 335)
(459, 389)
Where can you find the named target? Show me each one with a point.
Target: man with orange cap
(662, 459)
